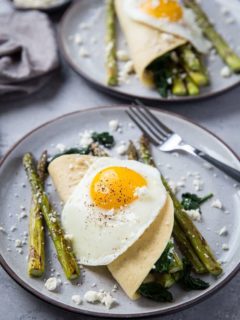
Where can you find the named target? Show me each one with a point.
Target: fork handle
(230, 171)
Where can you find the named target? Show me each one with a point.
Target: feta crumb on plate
(18, 243)
(217, 204)
(86, 138)
(223, 231)
(195, 215)
(226, 72)
(122, 149)
(113, 125)
(76, 299)
(51, 284)
(225, 247)
(84, 53)
(60, 147)
(102, 297)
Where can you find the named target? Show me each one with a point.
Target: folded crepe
(145, 43)
(132, 267)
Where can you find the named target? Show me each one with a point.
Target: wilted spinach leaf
(192, 201)
(104, 138)
(189, 282)
(154, 291)
(164, 262)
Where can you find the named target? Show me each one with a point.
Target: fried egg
(115, 202)
(168, 16)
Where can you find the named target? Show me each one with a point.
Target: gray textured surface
(66, 93)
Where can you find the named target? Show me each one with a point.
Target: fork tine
(153, 123)
(144, 122)
(138, 124)
(154, 118)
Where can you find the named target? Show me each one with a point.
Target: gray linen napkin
(28, 52)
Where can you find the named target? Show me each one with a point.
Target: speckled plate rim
(50, 9)
(110, 90)
(65, 307)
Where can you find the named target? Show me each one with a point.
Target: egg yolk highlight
(115, 187)
(167, 9)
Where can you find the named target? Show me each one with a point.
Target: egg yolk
(115, 187)
(168, 9)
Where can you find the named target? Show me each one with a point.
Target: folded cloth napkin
(28, 52)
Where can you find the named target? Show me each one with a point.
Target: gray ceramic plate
(52, 7)
(15, 195)
(92, 68)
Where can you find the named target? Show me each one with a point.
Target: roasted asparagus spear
(36, 255)
(199, 244)
(193, 66)
(223, 49)
(62, 245)
(111, 59)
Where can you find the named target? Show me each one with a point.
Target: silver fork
(168, 141)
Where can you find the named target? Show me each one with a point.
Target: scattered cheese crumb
(2, 229)
(18, 243)
(225, 247)
(195, 215)
(122, 149)
(78, 39)
(226, 72)
(60, 147)
(198, 184)
(22, 215)
(103, 297)
(113, 125)
(223, 231)
(86, 138)
(122, 55)
(208, 165)
(84, 53)
(217, 204)
(51, 284)
(126, 70)
(76, 299)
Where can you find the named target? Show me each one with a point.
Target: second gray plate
(87, 19)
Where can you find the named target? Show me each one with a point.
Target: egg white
(187, 28)
(99, 236)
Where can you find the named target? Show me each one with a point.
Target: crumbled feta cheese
(68, 237)
(225, 247)
(181, 184)
(22, 215)
(83, 53)
(208, 165)
(217, 204)
(86, 138)
(109, 47)
(122, 149)
(126, 70)
(141, 192)
(93, 296)
(122, 55)
(13, 228)
(76, 299)
(113, 125)
(223, 231)
(131, 125)
(198, 184)
(2, 229)
(195, 215)
(18, 243)
(226, 72)
(51, 284)
(60, 147)
(78, 39)
(104, 298)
